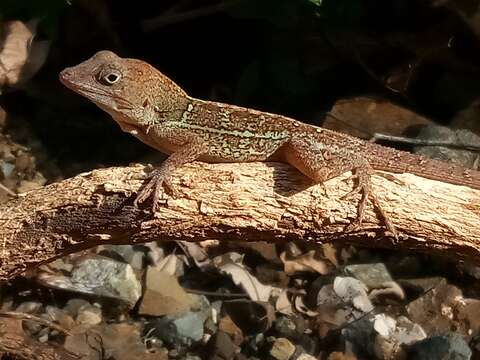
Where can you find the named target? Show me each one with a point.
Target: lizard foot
(158, 180)
(363, 186)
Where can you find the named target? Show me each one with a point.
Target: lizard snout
(66, 76)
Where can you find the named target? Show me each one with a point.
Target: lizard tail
(387, 159)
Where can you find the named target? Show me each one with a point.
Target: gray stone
(422, 285)
(461, 157)
(73, 305)
(181, 330)
(449, 347)
(29, 307)
(393, 334)
(373, 275)
(434, 310)
(291, 327)
(106, 277)
(89, 315)
(6, 169)
(353, 291)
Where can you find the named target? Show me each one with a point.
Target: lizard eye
(109, 78)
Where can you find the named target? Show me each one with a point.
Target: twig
(216, 294)
(7, 190)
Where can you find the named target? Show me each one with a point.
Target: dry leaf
(195, 252)
(230, 264)
(283, 304)
(20, 55)
(330, 252)
(241, 277)
(302, 308)
(172, 265)
(311, 262)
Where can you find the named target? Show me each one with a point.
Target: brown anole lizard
(150, 106)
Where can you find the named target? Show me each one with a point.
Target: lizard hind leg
(321, 163)
(363, 185)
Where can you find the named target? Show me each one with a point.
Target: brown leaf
(230, 264)
(20, 55)
(309, 262)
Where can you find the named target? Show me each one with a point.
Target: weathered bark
(245, 202)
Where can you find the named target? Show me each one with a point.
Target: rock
(353, 291)
(59, 316)
(73, 305)
(254, 343)
(89, 315)
(282, 349)
(286, 327)
(468, 313)
(459, 137)
(102, 277)
(163, 295)
(29, 307)
(435, 309)
(181, 330)
(377, 279)
(364, 115)
(358, 334)
(6, 169)
(373, 275)
(393, 334)
(449, 347)
(422, 285)
(126, 253)
(220, 347)
(227, 326)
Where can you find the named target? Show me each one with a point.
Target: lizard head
(130, 90)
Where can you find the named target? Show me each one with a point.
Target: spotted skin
(151, 107)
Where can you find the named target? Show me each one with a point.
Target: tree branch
(244, 202)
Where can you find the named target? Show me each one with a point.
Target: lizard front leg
(161, 176)
(322, 162)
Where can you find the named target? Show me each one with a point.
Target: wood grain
(243, 202)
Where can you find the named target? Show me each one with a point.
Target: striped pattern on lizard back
(233, 133)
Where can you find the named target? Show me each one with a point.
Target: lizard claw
(154, 189)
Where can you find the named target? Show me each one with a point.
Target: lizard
(153, 108)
